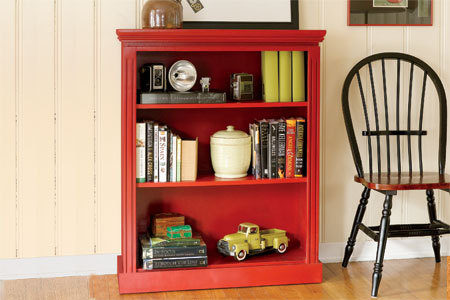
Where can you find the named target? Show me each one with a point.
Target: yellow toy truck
(249, 240)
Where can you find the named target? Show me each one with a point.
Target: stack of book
(283, 76)
(169, 243)
(162, 156)
(278, 148)
(164, 253)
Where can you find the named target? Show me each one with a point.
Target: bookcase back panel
(217, 211)
(202, 123)
(217, 65)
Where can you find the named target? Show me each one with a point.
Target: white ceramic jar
(230, 153)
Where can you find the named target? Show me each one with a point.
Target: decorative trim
(58, 266)
(395, 249)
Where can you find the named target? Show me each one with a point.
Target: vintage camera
(153, 78)
(242, 86)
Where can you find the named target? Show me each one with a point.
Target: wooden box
(161, 221)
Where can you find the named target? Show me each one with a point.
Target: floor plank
(410, 279)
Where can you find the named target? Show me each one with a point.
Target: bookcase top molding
(278, 38)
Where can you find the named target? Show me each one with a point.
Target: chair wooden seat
(405, 181)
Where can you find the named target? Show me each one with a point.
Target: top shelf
(223, 105)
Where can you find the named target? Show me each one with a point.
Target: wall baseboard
(101, 264)
(58, 266)
(395, 249)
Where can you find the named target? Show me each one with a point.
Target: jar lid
(230, 133)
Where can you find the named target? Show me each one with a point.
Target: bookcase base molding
(218, 277)
(215, 207)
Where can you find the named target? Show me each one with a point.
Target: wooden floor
(402, 279)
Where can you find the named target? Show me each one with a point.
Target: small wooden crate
(161, 221)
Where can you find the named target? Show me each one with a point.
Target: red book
(290, 147)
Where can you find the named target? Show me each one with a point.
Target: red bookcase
(212, 206)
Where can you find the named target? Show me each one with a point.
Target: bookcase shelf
(212, 206)
(253, 104)
(211, 180)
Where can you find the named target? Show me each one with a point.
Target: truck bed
(270, 234)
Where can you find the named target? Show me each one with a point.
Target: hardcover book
(252, 136)
(281, 155)
(140, 152)
(173, 159)
(156, 152)
(258, 172)
(264, 134)
(178, 159)
(300, 148)
(149, 150)
(176, 251)
(175, 262)
(272, 148)
(189, 158)
(163, 161)
(290, 147)
(298, 76)
(269, 72)
(285, 69)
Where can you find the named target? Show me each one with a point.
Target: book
(176, 251)
(189, 158)
(252, 142)
(162, 144)
(300, 147)
(258, 173)
(178, 159)
(285, 76)
(290, 147)
(272, 148)
(149, 151)
(174, 262)
(169, 153)
(140, 152)
(281, 155)
(166, 242)
(263, 132)
(298, 76)
(156, 152)
(173, 159)
(182, 98)
(269, 72)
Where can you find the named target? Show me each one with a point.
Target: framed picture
(240, 14)
(390, 12)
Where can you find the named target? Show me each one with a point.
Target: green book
(176, 251)
(269, 68)
(298, 76)
(285, 76)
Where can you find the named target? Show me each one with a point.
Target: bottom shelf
(219, 276)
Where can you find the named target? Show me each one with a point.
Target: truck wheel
(241, 255)
(282, 248)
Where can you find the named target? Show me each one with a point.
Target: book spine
(258, 172)
(140, 152)
(178, 159)
(298, 76)
(169, 155)
(156, 152)
(264, 130)
(252, 164)
(290, 148)
(173, 159)
(281, 155)
(163, 154)
(165, 252)
(269, 65)
(300, 148)
(285, 70)
(170, 263)
(272, 151)
(149, 151)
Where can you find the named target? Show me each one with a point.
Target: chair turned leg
(432, 215)
(358, 219)
(384, 229)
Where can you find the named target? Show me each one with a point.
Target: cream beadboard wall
(60, 121)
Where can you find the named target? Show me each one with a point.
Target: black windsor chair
(390, 177)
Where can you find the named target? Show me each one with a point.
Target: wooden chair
(384, 176)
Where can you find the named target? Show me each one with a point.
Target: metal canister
(182, 75)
